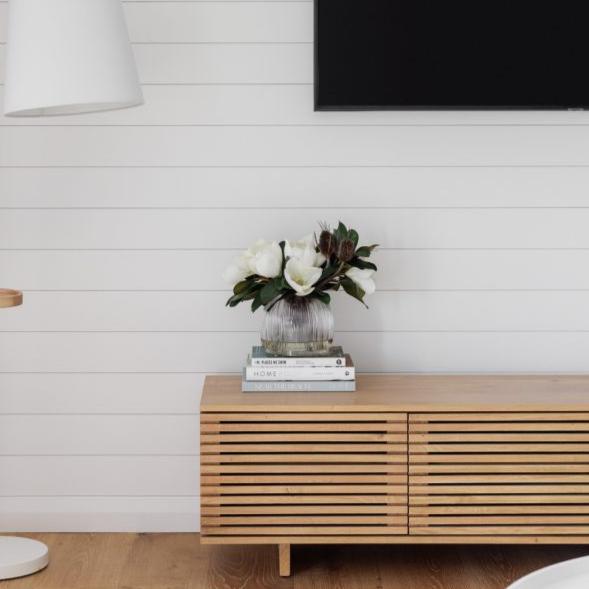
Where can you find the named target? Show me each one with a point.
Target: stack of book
(331, 372)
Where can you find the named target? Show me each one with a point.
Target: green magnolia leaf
(365, 250)
(353, 290)
(244, 295)
(353, 237)
(270, 291)
(242, 286)
(341, 232)
(234, 300)
(363, 264)
(257, 302)
(327, 272)
(323, 297)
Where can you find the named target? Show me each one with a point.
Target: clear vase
(298, 326)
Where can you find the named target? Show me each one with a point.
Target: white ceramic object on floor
(570, 574)
(21, 556)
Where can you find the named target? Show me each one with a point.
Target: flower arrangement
(269, 271)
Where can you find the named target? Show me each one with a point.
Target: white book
(336, 357)
(301, 373)
(307, 386)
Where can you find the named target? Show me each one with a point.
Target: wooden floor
(178, 561)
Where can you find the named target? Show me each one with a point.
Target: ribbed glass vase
(298, 326)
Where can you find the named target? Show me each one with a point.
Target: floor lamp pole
(19, 556)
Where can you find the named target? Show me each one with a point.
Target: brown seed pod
(345, 251)
(327, 243)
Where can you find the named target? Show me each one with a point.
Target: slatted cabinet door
(499, 474)
(288, 476)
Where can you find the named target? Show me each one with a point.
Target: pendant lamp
(68, 57)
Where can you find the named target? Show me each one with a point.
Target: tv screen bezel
(319, 107)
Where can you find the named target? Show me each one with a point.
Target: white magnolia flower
(303, 250)
(363, 278)
(301, 277)
(239, 270)
(264, 258)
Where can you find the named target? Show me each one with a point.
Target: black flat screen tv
(451, 54)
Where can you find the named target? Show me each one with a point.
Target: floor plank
(178, 561)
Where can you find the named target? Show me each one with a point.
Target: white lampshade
(67, 57)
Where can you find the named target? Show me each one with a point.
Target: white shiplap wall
(117, 226)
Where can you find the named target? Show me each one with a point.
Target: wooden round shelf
(10, 298)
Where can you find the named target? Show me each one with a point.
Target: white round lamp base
(21, 556)
(570, 574)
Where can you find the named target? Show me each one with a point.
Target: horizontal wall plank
(239, 63)
(257, 22)
(101, 393)
(294, 146)
(206, 22)
(399, 228)
(339, 188)
(99, 514)
(98, 434)
(165, 352)
(389, 311)
(201, 270)
(144, 476)
(279, 105)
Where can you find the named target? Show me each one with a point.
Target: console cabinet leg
(284, 560)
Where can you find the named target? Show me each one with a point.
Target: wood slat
(222, 427)
(500, 478)
(488, 437)
(303, 415)
(359, 509)
(308, 469)
(424, 469)
(304, 530)
(511, 530)
(222, 449)
(304, 520)
(483, 447)
(295, 489)
(304, 499)
(401, 539)
(515, 499)
(327, 458)
(499, 426)
(338, 437)
(498, 458)
(524, 489)
(282, 478)
(485, 510)
(534, 519)
(498, 416)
